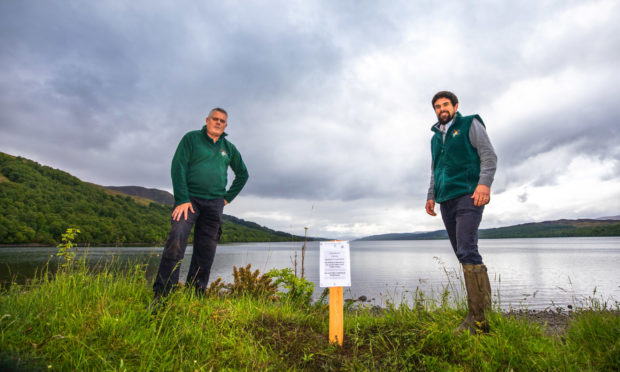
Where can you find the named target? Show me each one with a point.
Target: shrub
(297, 290)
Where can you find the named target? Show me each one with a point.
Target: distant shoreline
(40, 245)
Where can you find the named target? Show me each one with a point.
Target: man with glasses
(199, 177)
(463, 168)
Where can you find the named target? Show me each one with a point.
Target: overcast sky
(328, 101)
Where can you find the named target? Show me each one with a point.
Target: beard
(444, 119)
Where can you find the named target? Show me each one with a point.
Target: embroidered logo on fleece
(223, 152)
(456, 132)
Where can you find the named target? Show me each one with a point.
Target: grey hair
(218, 109)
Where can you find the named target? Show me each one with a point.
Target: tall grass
(87, 320)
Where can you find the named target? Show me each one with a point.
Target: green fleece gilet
(456, 164)
(200, 168)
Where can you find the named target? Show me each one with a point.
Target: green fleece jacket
(456, 162)
(200, 168)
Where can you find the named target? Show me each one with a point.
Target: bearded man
(462, 171)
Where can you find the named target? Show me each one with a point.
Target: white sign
(335, 262)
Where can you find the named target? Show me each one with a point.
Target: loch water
(544, 273)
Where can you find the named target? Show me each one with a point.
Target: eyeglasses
(223, 121)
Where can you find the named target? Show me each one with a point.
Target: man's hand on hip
(482, 195)
(181, 209)
(430, 207)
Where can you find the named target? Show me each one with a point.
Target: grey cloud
(615, 172)
(106, 90)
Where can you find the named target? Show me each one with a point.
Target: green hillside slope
(39, 203)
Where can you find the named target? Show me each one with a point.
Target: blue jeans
(207, 218)
(462, 218)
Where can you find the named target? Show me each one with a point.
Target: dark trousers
(462, 218)
(207, 218)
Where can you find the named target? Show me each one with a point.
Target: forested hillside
(39, 203)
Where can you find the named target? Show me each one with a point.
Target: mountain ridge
(156, 195)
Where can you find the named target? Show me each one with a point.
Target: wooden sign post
(335, 265)
(336, 316)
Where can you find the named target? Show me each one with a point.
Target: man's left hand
(482, 195)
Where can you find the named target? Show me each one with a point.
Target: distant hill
(558, 228)
(609, 218)
(439, 234)
(159, 196)
(162, 195)
(547, 229)
(39, 203)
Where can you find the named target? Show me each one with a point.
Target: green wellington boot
(478, 299)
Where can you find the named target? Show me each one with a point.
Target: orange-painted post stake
(335, 273)
(336, 318)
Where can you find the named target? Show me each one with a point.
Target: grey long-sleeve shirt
(488, 159)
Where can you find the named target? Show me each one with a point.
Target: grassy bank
(83, 320)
